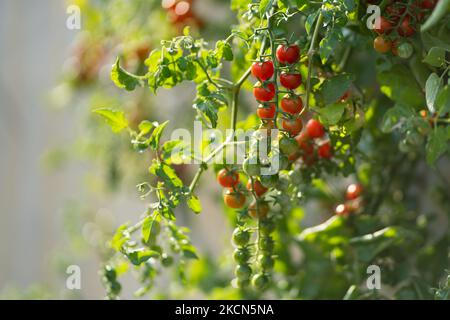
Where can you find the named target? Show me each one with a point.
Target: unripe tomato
(305, 143)
(241, 255)
(266, 262)
(260, 281)
(267, 226)
(288, 145)
(292, 104)
(325, 151)
(258, 210)
(269, 181)
(384, 27)
(288, 54)
(242, 283)
(257, 187)
(405, 50)
(262, 70)
(292, 126)
(241, 237)
(382, 45)
(290, 80)
(405, 29)
(353, 191)
(266, 244)
(341, 210)
(166, 260)
(314, 129)
(227, 178)
(243, 271)
(234, 199)
(266, 111)
(283, 162)
(251, 167)
(264, 93)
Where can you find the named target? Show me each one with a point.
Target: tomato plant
(363, 123)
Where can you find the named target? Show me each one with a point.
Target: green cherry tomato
(260, 281)
(241, 237)
(267, 226)
(269, 181)
(251, 167)
(241, 255)
(266, 262)
(405, 50)
(288, 145)
(166, 260)
(243, 271)
(266, 244)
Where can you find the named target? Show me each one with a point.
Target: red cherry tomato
(428, 4)
(290, 80)
(325, 151)
(314, 129)
(267, 111)
(405, 29)
(384, 26)
(234, 199)
(259, 211)
(353, 191)
(262, 70)
(305, 143)
(292, 104)
(382, 45)
(341, 210)
(288, 54)
(292, 126)
(264, 93)
(227, 179)
(258, 188)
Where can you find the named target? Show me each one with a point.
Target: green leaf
(119, 238)
(138, 256)
(149, 226)
(310, 21)
(125, 80)
(154, 139)
(207, 111)
(328, 44)
(394, 116)
(437, 144)
(442, 102)
(194, 203)
(224, 51)
(332, 113)
(173, 151)
(115, 119)
(264, 6)
(334, 88)
(167, 174)
(431, 90)
(435, 57)
(189, 251)
(145, 127)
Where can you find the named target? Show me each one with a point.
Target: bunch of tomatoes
(400, 20)
(353, 201)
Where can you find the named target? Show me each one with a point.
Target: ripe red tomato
(227, 179)
(405, 29)
(266, 111)
(263, 70)
(264, 93)
(234, 199)
(428, 4)
(292, 126)
(353, 191)
(325, 151)
(257, 187)
(292, 104)
(288, 54)
(381, 44)
(395, 12)
(341, 210)
(384, 26)
(258, 211)
(305, 143)
(315, 129)
(290, 80)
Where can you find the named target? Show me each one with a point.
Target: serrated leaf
(156, 136)
(435, 57)
(194, 203)
(224, 51)
(114, 118)
(167, 174)
(437, 144)
(332, 113)
(125, 80)
(334, 88)
(172, 151)
(431, 90)
(145, 127)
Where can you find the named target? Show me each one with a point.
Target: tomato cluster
(180, 13)
(353, 201)
(400, 20)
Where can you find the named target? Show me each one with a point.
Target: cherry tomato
(267, 226)
(266, 244)
(260, 212)
(405, 29)
(288, 54)
(243, 271)
(325, 151)
(264, 93)
(381, 44)
(290, 80)
(309, 159)
(260, 281)
(292, 126)
(251, 167)
(241, 255)
(263, 70)
(268, 125)
(291, 104)
(241, 237)
(227, 179)
(269, 181)
(305, 143)
(428, 4)
(341, 210)
(395, 12)
(257, 187)
(267, 111)
(314, 129)
(288, 145)
(384, 26)
(266, 262)
(353, 191)
(234, 199)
